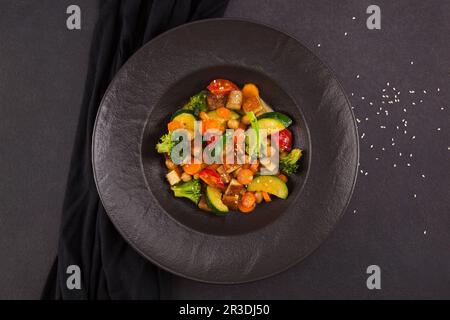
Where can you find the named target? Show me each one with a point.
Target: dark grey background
(398, 219)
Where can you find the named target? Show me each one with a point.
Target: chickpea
(170, 165)
(245, 120)
(186, 177)
(233, 124)
(258, 196)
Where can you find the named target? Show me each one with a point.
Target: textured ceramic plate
(173, 233)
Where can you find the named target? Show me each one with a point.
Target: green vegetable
(197, 103)
(289, 164)
(284, 119)
(214, 201)
(191, 190)
(269, 184)
(165, 144)
(186, 118)
(255, 126)
(213, 115)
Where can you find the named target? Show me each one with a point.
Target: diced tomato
(221, 86)
(285, 140)
(211, 178)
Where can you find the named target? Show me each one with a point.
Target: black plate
(173, 233)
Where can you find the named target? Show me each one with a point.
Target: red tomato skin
(285, 140)
(221, 86)
(211, 178)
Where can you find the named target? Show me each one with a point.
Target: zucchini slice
(186, 117)
(269, 184)
(284, 119)
(214, 201)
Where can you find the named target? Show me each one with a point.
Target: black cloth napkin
(110, 268)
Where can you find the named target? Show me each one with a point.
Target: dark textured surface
(139, 203)
(388, 226)
(42, 72)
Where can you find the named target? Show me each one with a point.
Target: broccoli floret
(190, 190)
(289, 164)
(197, 103)
(165, 144)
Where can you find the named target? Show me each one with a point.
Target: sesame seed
(382, 127)
(438, 89)
(415, 195)
(425, 91)
(394, 165)
(318, 45)
(357, 76)
(353, 18)
(412, 62)
(423, 176)
(424, 231)
(411, 91)
(354, 211)
(413, 137)
(438, 129)
(366, 173)
(363, 135)
(408, 164)
(371, 146)
(362, 98)
(387, 83)
(345, 33)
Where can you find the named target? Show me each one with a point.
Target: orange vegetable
(192, 168)
(213, 166)
(250, 90)
(266, 196)
(173, 125)
(251, 103)
(203, 115)
(247, 203)
(245, 176)
(223, 112)
(283, 177)
(211, 124)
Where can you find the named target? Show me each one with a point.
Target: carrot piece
(247, 203)
(283, 177)
(266, 196)
(213, 166)
(192, 168)
(250, 90)
(223, 112)
(245, 176)
(245, 209)
(173, 125)
(211, 124)
(203, 115)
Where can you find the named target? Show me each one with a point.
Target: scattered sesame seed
(413, 137)
(359, 121)
(377, 159)
(404, 110)
(354, 211)
(352, 94)
(394, 165)
(353, 18)
(366, 173)
(387, 83)
(425, 91)
(410, 155)
(438, 129)
(363, 135)
(371, 146)
(362, 98)
(412, 62)
(415, 195)
(411, 91)
(423, 176)
(408, 164)
(345, 33)
(384, 90)
(371, 103)
(383, 149)
(413, 103)
(424, 231)
(357, 76)
(400, 154)
(318, 45)
(382, 127)
(438, 89)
